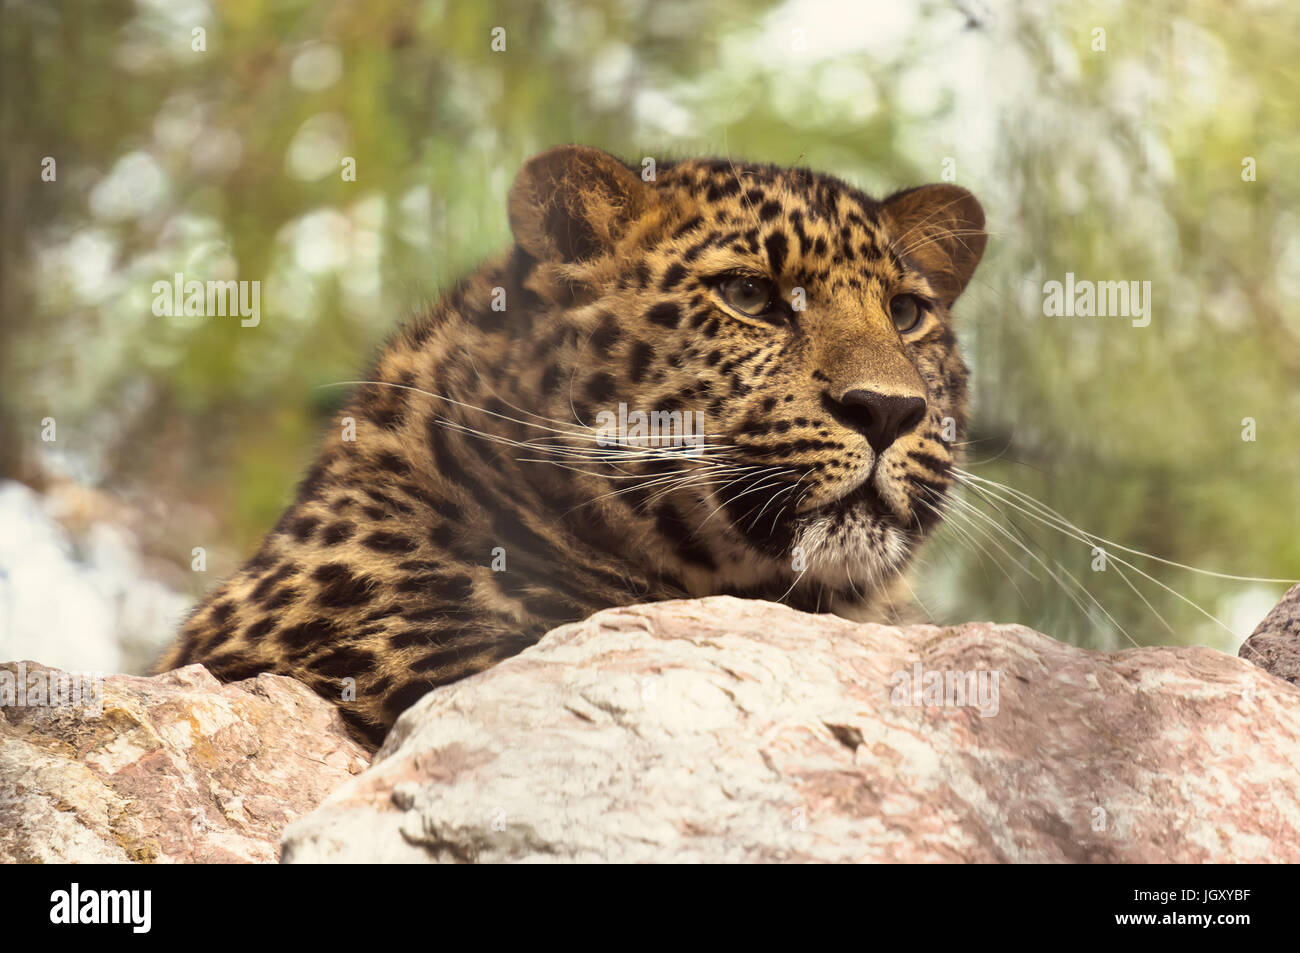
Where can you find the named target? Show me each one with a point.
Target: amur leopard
(468, 499)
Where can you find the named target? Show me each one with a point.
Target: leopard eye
(906, 312)
(748, 295)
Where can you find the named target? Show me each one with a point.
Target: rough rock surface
(1275, 644)
(730, 730)
(178, 767)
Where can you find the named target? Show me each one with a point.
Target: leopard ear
(572, 203)
(941, 229)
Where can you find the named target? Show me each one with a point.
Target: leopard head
(805, 325)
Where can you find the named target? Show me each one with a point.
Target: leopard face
(805, 327)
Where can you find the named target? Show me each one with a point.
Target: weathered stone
(177, 767)
(1275, 644)
(731, 730)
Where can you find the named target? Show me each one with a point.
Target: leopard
(478, 487)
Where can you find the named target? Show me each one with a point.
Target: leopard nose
(881, 418)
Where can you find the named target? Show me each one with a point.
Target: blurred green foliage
(1122, 163)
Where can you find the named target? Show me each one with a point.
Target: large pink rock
(178, 767)
(730, 730)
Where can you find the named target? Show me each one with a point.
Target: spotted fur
(477, 506)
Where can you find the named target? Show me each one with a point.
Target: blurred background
(141, 457)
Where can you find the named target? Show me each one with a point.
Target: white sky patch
(84, 264)
(317, 147)
(822, 57)
(610, 70)
(850, 88)
(829, 29)
(415, 216)
(1244, 610)
(70, 603)
(180, 13)
(362, 281)
(135, 186)
(656, 110)
(317, 67)
(322, 241)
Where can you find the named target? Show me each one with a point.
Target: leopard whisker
(459, 403)
(1119, 563)
(767, 477)
(1111, 557)
(1093, 538)
(995, 525)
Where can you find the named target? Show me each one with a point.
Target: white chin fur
(859, 549)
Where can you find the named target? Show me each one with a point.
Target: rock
(1275, 644)
(724, 730)
(178, 767)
